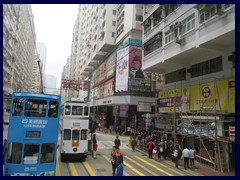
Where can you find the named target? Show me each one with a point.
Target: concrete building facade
(19, 44)
(193, 46)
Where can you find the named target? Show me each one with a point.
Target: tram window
(14, 153)
(75, 134)
(47, 153)
(31, 152)
(84, 134)
(67, 134)
(17, 107)
(35, 108)
(85, 111)
(53, 109)
(67, 110)
(77, 110)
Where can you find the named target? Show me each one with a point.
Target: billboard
(122, 69)
(208, 97)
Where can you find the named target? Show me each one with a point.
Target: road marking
(72, 169)
(143, 167)
(57, 168)
(168, 168)
(89, 169)
(107, 159)
(134, 169)
(165, 172)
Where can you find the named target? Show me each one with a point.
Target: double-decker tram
(32, 135)
(75, 129)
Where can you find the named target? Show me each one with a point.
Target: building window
(175, 76)
(188, 24)
(206, 11)
(147, 26)
(113, 34)
(139, 18)
(153, 44)
(114, 12)
(169, 36)
(114, 23)
(207, 67)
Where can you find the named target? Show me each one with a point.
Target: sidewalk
(199, 168)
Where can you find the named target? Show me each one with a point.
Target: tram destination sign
(33, 134)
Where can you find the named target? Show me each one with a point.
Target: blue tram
(32, 135)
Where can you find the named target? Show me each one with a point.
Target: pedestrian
(112, 160)
(191, 156)
(4, 149)
(165, 149)
(175, 156)
(119, 170)
(117, 158)
(150, 148)
(117, 142)
(185, 154)
(134, 144)
(95, 146)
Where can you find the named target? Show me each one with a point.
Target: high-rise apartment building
(19, 44)
(108, 33)
(193, 46)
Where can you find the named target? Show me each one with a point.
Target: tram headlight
(74, 149)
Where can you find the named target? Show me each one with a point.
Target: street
(135, 163)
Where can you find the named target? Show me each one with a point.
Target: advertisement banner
(123, 111)
(208, 97)
(231, 96)
(122, 70)
(166, 100)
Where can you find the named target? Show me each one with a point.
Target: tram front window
(67, 110)
(75, 135)
(17, 108)
(31, 152)
(14, 153)
(67, 134)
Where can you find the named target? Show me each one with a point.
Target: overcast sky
(54, 26)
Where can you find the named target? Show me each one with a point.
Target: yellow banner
(204, 97)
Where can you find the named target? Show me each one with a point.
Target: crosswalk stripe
(73, 170)
(148, 170)
(88, 168)
(124, 173)
(133, 169)
(168, 168)
(165, 172)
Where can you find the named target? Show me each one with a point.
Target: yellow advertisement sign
(204, 97)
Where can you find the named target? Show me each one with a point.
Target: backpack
(118, 159)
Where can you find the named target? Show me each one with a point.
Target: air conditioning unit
(172, 27)
(178, 23)
(179, 39)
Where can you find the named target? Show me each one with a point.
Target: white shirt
(191, 154)
(185, 152)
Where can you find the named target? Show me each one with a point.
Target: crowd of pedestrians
(159, 147)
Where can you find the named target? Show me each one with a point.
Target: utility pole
(174, 117)
(93, 122)
(40, 71)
